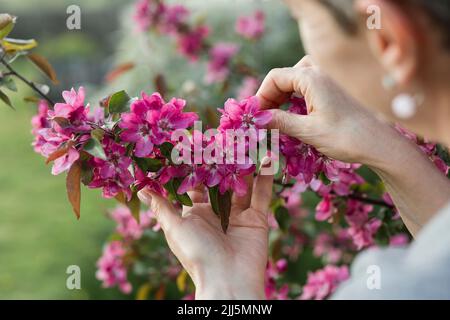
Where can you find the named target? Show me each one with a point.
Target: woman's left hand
(222, 266)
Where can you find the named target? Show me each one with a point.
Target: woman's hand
(222, 266)
(336, 124)
(341, 129)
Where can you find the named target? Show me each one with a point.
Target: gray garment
(418, 271)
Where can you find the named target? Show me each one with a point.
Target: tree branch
(27, 82)
(353, 196)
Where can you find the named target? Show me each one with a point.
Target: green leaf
(119, 102)
(95, 148)
(97, 134)
(172, 187)
(214, 199)
(9, 83)
(166, 150)
(14, 45)
(5, 99)
(221, 205)
(135, 206)
(86, 172)
(225, 210)
(6, 24)
(148, 164)
(282, 217)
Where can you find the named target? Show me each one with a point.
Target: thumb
(288, 123)
(166, 214)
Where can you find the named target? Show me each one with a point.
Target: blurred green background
(39, 235)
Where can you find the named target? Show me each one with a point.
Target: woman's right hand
(336, 124)
(341, 129)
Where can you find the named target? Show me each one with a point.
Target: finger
(166, 214)
(244, 202)
(306, 61)
(262, 189)
(280, 84)
(276, 88)
(293, 125)
(198, 195)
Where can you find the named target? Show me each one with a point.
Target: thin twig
(353, 196)
(27, 82)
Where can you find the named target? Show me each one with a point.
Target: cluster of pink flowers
(165, 18)
(248, 88)
(251, 27)
(273, 272)
(192, 40)
(143, 133)
(128, 227)
(114, 264)
(322, 283)
(172, 20)
(63, 128)
(63, 134)
(427, 147)
(219, 61)
(332, 247)
(112, 270)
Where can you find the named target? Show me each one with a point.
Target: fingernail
(265, 163)
(145, 197)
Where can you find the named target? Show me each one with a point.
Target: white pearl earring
(404, 105)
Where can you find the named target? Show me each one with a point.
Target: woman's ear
(395, 41)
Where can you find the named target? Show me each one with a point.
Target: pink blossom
(251, 27)
(174, 17)
(150, 180)
(399, 240)
(147, 13)
(112, 175)
(245, 114)
(302, 161)
(298, 105)
(331, 246)
(169, 118)
(293, 198)
(151, 121)
(361, 228)
(325, 209)
(136, 127)
(40, 120)
(191, 43)
(363, 235)
(72, 115)
(233, 178)
(440, 164)
(273, 272)
(49, 140)
(127, 226)
(322, 283)
(194, 178)
(111, 268)
(323, 246)
(248, 88)
(219, 61)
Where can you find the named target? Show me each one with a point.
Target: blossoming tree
(324, 211)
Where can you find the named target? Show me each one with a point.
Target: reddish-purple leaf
(73, 186)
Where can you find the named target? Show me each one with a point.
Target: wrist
(220, 286)
(388, 151)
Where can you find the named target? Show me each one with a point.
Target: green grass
(39, 235)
